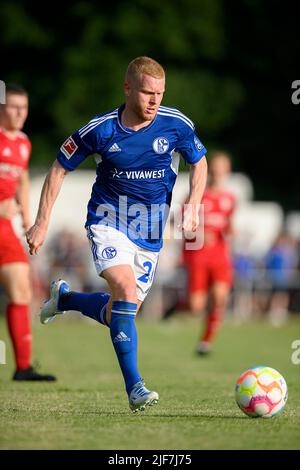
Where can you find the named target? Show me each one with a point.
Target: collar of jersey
(12, 139)
(127, 129)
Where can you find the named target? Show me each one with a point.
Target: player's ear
(127, 88)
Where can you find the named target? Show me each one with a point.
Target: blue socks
(122, 327)
(90, 305)
(124, 338)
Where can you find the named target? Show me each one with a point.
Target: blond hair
(144, 65)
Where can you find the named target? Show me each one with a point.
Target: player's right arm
(73, 151)
(37, 233)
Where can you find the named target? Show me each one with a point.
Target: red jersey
(14, 158)
(218, 209)
(212, 263)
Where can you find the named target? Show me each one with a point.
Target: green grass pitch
(87, 408)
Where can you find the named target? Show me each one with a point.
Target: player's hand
(9, 208)
(191, 219)
(35, 237)
(26, 225)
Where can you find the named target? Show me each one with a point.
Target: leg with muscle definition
(15, 278)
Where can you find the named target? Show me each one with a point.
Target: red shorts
(209, 265)
(11, 248)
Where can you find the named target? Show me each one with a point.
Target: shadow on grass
(164, 415)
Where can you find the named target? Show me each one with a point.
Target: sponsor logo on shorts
(109, 252)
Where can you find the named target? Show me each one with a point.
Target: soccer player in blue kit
(137, 148)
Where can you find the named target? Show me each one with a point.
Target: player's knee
(196, 305)
(28, 296)
(125, 289)
(21, 295)
(220, 303)
(194, 309)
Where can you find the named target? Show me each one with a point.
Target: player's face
(219, 169)
(14, 113)
(144, 95)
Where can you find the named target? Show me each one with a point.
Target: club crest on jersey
(109, 252)
(69, 147)
(160, 145)
(24, 152)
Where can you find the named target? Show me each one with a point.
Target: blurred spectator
(69, 258)
(281, 262)
(244, 278)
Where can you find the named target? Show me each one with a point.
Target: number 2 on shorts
(145, 277)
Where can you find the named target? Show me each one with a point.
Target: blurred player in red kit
(15, 149)
(209, 268)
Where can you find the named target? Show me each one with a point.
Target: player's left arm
(22, 198)
(193, 152)
(198, 177)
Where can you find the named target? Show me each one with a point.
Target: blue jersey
(136, 170)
